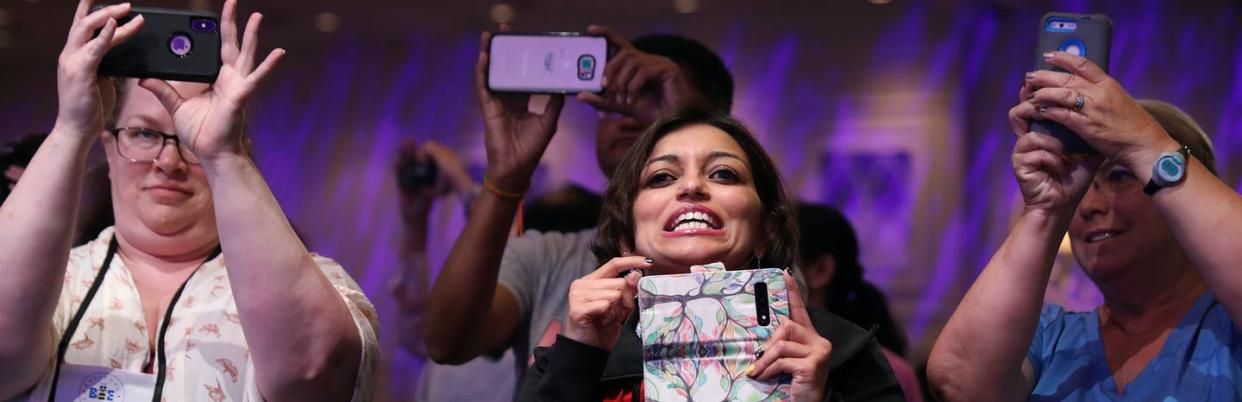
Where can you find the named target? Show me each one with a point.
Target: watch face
(1170, 168)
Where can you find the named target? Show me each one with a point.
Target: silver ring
(1079, 103)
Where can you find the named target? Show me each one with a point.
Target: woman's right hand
(1050, 180)
(601, 301)
(78, 90)
(515, 137)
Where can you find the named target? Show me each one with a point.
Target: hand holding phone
(515, 137)
(208, 118)
(1085, 35)
(178, 45)
(640, 85)
(78, 88)
(601, 301)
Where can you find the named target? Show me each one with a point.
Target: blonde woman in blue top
(1150, 224)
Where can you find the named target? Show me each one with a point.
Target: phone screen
(553, 63)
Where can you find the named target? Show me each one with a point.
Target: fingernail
(1048, 56)
(759, 354)
(603, 81)
(750, 369)
(649, 261)
(1030, 75)
(1042, 109)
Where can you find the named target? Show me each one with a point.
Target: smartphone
(700, 331)
(177, 45)
(558, 62)
(1087, 35)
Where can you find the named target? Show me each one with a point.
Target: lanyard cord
(77, 317)
(90, 295)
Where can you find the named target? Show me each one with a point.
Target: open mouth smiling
(693, 219)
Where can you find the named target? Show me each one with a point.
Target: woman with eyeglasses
(1150, 224)
(201, 291)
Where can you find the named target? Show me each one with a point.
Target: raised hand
(638, 84)
(797, 350)
(515, 137)
(209, 123)
(1107, 117)
(451, 177)
(77, 83)
(1049, 179)
(600, 302)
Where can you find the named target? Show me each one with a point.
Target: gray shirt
(537, 268)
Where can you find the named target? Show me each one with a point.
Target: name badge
(90, 383)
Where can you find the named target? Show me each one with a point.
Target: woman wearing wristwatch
(1150, 224)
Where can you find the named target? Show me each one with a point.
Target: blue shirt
(1199, 360)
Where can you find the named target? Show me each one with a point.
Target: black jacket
(573, 371)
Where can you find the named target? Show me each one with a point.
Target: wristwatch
(1169, 170)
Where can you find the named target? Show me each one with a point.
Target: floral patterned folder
(700, 332)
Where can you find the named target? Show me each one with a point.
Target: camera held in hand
(413, 175)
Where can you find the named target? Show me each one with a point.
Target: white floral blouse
(208, 358)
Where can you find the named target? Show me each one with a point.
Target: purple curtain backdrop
(894, 113)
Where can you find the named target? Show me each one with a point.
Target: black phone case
(148, 54)
(1095, 31)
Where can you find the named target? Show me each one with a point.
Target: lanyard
(86, 302)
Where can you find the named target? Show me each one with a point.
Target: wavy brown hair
(616, 222)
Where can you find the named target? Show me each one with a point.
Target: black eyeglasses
(139, 144)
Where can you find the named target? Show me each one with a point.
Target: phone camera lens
(203, 25)
(180, 44)
(586, 67)
(1074, 46)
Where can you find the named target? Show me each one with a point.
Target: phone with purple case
(700, 332)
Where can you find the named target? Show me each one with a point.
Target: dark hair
(708, 72)
(825, 231)
(19, 152)
(616, 223)
(567, 209)
(1183, 129)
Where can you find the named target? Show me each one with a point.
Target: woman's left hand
(796, 349)
(210, 123)
(1108, 119)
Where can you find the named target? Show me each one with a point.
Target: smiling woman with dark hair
(697, 188)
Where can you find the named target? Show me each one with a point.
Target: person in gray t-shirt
(473, 315)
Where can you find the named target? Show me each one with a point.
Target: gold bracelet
(501, 193)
